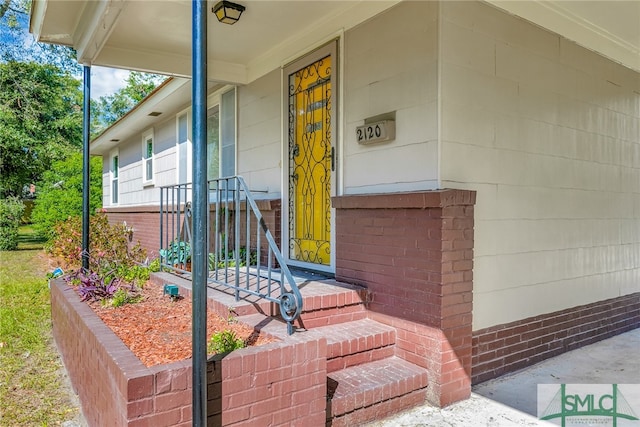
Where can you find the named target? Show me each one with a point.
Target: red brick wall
(506, 348)
(145, 221)
(414, 253)
(278, 384)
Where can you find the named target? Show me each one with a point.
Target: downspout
(86, 164)
(200, 206)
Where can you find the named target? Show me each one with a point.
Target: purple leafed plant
(93, 287)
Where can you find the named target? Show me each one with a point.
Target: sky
(105, 81)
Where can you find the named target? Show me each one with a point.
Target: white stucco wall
(390, 65)
(548, 134)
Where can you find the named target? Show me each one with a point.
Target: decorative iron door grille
(310, 163)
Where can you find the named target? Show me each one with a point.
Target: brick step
(357, 342)
(374, 390)
(329, 302)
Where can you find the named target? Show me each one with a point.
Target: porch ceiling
(155, 35)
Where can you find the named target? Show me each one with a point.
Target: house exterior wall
(132, 190)
(259, 134)
(390, 65)
(548, 134)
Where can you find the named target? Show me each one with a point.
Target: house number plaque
(376, 132)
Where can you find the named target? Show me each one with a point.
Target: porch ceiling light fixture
(228, 12)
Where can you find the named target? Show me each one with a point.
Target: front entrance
(311, 159)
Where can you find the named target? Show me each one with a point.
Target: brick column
(414, 252)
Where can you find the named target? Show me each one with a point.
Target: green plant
(230, 261)
(224, 342)
(154, 266)
(178, 252)
(60, 193)
(11, 210)
(122, 297)
(135, 275)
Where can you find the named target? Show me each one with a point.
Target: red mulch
(158, 329)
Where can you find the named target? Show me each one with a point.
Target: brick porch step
(376, 389)
(356, 342)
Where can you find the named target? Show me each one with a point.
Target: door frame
(331, 48)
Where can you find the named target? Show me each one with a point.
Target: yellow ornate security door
(311, 162)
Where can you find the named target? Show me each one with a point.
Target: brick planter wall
(280, 383)
(505, 348)
(414, 253)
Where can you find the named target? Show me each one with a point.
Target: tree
(16, 44)
(60, 193)
(110, 108)
(40, 121)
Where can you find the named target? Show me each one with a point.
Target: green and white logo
(589, 404)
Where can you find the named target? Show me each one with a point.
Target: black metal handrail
(243, 253)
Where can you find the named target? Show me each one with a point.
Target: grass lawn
(31, 381)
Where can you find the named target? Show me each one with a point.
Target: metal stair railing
(243, 253)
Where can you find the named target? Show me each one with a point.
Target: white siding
(132, 190)
(259, 134)
(548, 133)
(391, 65)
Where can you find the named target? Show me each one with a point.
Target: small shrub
(135, 275)
(231, 262)
(154, 266)
(178, 252)
(224, 342)
(122, 297)
(91, 286)
(11, 210)
(108, 244)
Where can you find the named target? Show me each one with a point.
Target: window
(213, 143)
(228, 134)
(147, 158)
(114, 172)
(221, 137)
(183, 149)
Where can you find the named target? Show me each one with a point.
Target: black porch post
(200, 206)
(86, 164)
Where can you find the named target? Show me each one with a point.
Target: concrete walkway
(511, 400)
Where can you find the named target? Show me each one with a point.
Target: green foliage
(231, 262)
(108, 244)
(11, 210)
(122, 297)
(60, 193)
(40, 121)
(110, 108)
(18, 45)
(135, 274)
(154, 266)
(224, 342)
(178, 252)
